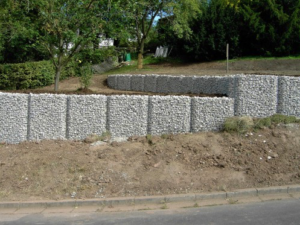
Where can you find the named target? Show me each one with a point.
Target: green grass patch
(264, 58)
(148, 60)
(242, 125)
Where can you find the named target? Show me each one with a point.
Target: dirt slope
(167, 164)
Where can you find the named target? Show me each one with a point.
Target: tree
(68, 26)
(18, 32)
(143, 13)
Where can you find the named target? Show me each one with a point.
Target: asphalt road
(285, 212)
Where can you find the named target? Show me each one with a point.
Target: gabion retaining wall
(209, 114)
(169, 114)
(13, 117)
(255, 95)
(47, 116)
(127, 115)
(86, 115)
(289, 96)
(150, 83)
(137, 83)
(124, 82)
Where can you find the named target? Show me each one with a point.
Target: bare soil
(167, 164)
(153, 165)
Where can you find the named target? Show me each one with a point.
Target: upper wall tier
(254, 95)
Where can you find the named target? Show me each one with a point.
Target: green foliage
(149, 139)
(30, 75)
(277, 118)
(242, 125)
(238, 125)
(26, 75)
(251, 27)
(263, 122)
(86, 74)
(96, 56)
(105, 136)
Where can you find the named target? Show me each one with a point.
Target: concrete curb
(243, 193)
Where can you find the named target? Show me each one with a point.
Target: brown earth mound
(153, 165)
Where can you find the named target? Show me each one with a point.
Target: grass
(265, 58)
(147, 61)
(175, 60)
(242, 125)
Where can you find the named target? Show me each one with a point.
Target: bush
(243, 125)
(264, 122)
(31, 75)
(26, 75)
(96, 56)
(277, 118)
(238, 124)
(86, 74)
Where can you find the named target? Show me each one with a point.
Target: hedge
(30, 75)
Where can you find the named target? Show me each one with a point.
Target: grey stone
(47, 116)
(124, 82)
(127, 115)
(150, 83)
(209, 114)
(289, 96)
(86, 116)
(137, 82)
(169, 114)
(13, 117)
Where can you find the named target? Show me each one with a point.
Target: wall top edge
(112, 96)
(207, 76)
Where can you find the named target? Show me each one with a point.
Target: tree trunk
(57, 76)
(140, 54)
(140, 60)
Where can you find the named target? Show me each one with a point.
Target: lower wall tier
(47, 116)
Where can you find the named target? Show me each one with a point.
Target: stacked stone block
(180, 84)
(289, 96)
(13, 117)
(163, 84)
(112, 81)
(150, 82)
(169, 114)
(209, 114)
(47, 116)
(256, 96)
(86, 115)
(137, 82)
(127, 115)
(124, 82)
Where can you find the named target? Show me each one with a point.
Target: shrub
(86, 74)
(278, 118)
(238, 124)
(30, 75)
(263, 122)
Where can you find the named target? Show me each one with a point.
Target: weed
(232, 201)
(238, 125)
(164, 206)
(105, 136)
(242, 125)
(278, 118)
(164, 136)
(263, 122)
(149, 139)
(196, 205)
(86, 74)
